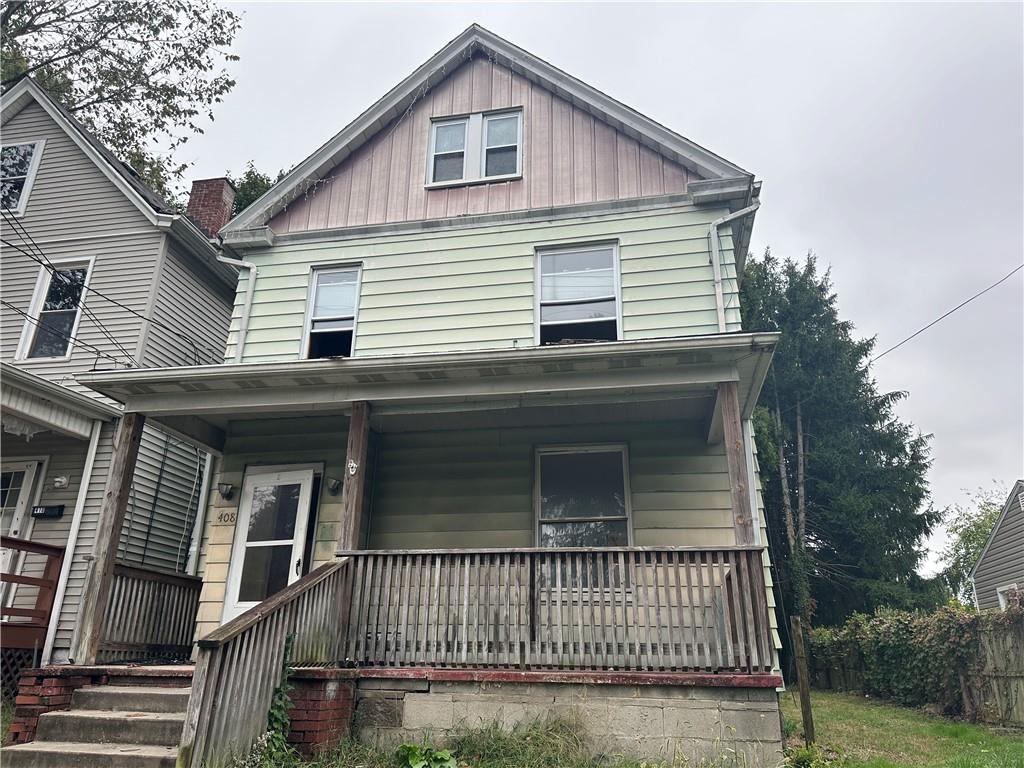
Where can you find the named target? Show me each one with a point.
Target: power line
(1003, 279)
(180, 334)
(75, 341)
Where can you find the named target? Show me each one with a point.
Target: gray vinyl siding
(1003, 560)
(192, 311)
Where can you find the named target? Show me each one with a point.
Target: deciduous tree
(969, 526)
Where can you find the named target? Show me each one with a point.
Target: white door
(16, 481)
(270, 536)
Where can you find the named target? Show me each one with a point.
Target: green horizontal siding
(473, 288)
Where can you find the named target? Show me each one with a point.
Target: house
(484, 432)
(98, 273)
(999, 572)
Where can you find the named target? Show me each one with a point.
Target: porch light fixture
(333, 485)
(226, 490)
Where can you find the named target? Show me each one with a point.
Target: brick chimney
(209, 204)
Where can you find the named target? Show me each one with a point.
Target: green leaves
(423, 756)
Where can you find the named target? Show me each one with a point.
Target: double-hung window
(53, 317)
(18, 165)
(578, 296)
(331, 323)
(476, 148)
(582, 496)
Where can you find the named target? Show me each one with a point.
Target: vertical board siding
(384, 180)
(192, 312)
(1003, 562)
(474, 288)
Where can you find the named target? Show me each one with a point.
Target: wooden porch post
(736, 457)
(350, 526)
(99, 573)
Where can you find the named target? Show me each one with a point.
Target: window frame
(30, 176)
(42, 287)
(538, 303)
(307, 322)
(575, 448)
(1001, 594)
(474, 158)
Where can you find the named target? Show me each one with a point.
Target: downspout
(250, 289)
(716, 258)
(69, 552)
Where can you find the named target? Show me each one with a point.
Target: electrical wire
(75, 341)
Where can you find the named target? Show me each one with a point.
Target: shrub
(911, 658)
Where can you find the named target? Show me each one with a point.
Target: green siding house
(483, 427)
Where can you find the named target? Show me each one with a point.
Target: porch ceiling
(199, 401)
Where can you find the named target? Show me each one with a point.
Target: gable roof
(159, 213)
(1016, 494)
(475, 38)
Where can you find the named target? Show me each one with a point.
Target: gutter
(69, 551)
(716, 258)
(250, 289)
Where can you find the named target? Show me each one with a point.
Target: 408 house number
(227, 517)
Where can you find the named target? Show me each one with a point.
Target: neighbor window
(53, 317)
(332, 312)
(578, 295)
(582, 497)
(475, 148)
(1003, 593)
(18, 164)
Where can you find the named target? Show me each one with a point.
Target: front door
(270, 536)
(16, 481)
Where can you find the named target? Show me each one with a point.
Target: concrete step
(130, 698)
(57, 754)
(107, 727)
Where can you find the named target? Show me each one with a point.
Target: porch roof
(198, 401)
(26, 397)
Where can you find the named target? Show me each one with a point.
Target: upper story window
(476, 148)
(18, 165)
(331, 323)
(56, 308)
(578, 296)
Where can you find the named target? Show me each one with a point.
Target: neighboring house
(485, 440)
(999, 572)
(98, 273)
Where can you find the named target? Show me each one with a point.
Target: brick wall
(321, 713)
(42, 690)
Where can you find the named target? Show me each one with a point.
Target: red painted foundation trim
(685, 679)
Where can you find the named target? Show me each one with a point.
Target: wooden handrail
(36, 547)
(242, 622)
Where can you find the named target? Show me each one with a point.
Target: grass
(872, 734)
(6, 716)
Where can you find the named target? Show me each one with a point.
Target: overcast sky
(888, 137)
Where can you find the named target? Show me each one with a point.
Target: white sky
(888, 137)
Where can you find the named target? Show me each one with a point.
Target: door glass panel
(274, 511)
(10, 492)
(265, 572)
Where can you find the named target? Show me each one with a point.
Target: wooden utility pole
(356, 453)
(803, 679)
(736, 459)
(99, 574)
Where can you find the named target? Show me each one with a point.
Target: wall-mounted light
(61, 481)
(333, 485)
(226, 490)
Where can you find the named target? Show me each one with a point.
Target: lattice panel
(12, 662)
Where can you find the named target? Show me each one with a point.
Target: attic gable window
(578, 295)
(18, 166)
(475, 149)
(331, 323)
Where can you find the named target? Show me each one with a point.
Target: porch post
(99, 574)
(350, 526)
(736, 458)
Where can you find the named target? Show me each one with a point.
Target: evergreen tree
(844, 478)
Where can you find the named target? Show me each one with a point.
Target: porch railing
(240, 664)
(25, 627)
(151, 614)
(655, 609)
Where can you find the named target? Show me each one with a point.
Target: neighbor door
(16, 481)
(270, 536)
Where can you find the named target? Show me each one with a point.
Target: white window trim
(310, 295)
(621, 448)
(35, 307)
(30, 177)
(1001, 594)
(474, 157)
(616, 276)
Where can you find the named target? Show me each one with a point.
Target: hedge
(912, 658)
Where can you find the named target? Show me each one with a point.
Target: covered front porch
(587, 510)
